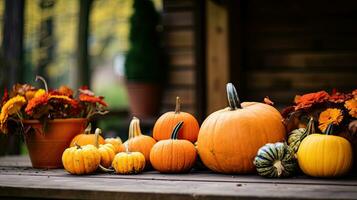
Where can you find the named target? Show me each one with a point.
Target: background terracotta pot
(144, 99)
(46, 149)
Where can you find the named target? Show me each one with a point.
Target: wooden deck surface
(18, 179)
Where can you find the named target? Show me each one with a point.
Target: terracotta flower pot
(46, 149)
(144, 99)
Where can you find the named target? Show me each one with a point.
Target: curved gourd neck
(310, 128)
(97, 132)
(233, 99)
(176, 130)
(88, 129)
(178, 105)
(329, 129)
(43, 81)
(134, 128)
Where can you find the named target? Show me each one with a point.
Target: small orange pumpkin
(139, 142)
(86, 138)
(164, 125)
(230, 138)
(117, 143)
(173, 155)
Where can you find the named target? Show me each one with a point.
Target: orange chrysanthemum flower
(92, 99)
(64, 90)
(310, 99)
(330, 115)
(11, 107)
(36, 101)
(64, 100)
(351, 105)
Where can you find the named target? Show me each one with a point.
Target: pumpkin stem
(232, 95)
(43, 81)
(77, 145)
(103, 169)
(178, 105)
(126, 145)
(134, 128)
(329, 129)
(97, 132)
(279, 167)
(176, 129)
(88, 129)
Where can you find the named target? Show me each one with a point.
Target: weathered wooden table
(19, 180)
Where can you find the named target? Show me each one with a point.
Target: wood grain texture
(298, 47)
(25, 182)
(217, 56)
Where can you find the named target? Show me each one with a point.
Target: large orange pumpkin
(230, 138)
(164, 125)
(173, 155)
(87, 138)
(139, 142)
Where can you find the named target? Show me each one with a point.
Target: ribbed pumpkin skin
(117, 143)
(83, 160)
(84, 139)
(142, 144)
(173, 156)
(129, 163)
(164, 125)
(139, 142)
(325, 155)
(229, 139)
(275, 160)
(107, 153)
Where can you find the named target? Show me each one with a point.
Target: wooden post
(200, 58)
(83, 68)
(46, 39)
(12, 59)
(13, 41)
(217, 56)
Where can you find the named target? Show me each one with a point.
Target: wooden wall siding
(217, 56)
(179, 40)
(293, 47)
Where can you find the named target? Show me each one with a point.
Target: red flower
(307, 100)
(338, 97)
(92, 99)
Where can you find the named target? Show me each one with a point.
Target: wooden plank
(304, 59)
(181, 59)
(178, 19)
(184, 77)
(93, 188)
(301, 81)
(25, 182)
(170, 5)
(187, 96)
(217, 56)
(303, 42)
(179, 39)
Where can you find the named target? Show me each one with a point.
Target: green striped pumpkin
(275, 160)
(297, 135)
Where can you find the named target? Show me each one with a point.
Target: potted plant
(145, 67)
(48, 119)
